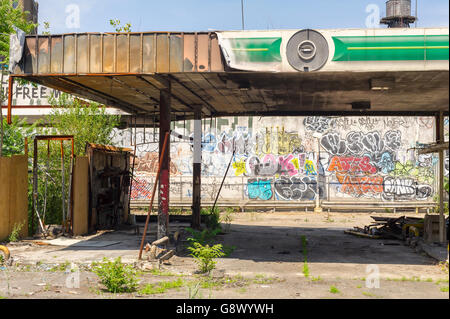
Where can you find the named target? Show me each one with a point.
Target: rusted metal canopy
(128, 71)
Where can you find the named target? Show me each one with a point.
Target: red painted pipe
(10, 94)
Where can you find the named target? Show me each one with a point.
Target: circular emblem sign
(307, 51)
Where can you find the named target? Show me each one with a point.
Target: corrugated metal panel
(86, 53)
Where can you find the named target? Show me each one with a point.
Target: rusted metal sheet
(121, 53)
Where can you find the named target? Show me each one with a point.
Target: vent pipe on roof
(398, 14)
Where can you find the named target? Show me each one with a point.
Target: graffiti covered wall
(297, 159)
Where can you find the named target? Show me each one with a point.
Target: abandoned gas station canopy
(290, 72)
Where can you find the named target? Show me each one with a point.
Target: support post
(10, 96)
(164, 178)
(440, 139)
(318, 208)
(197, 168)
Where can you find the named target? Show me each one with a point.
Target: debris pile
(402, 228)
(155, 252)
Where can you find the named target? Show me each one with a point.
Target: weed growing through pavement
(204, 256)
(116, 276)
(305, 257)
(162, 287)
(334, 290)
(227, 218)
(439, 281)
(368, 294)
(194, 291)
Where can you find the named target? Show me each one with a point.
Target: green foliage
(194, 291)
(116, 276)
(47, 28)
(212, 219)
(334, 290)
(305, 268)
(227, 218)
(88, 123)
(161, 287)
(115, 23)
(305, 256)
(206, 236)
(15, 134)
(15, 234)
(204, 256)
(11, 17)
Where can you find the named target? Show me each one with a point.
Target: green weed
(162, 287)
(334, 290)
(15, 234)
(116, 276)
(204, 255)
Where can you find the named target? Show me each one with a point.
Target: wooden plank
(5, 169)
(80, 221)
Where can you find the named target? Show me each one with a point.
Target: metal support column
(10, 98)
(440, 139)
(197, 168)
(164, 178)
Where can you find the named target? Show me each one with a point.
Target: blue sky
(203, 15)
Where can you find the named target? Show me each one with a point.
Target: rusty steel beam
(138, 52)
(211, 108)
(164, 178)
(155, 101)
(172, 94)
(116, 102)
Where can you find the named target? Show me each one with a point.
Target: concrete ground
(267, 262)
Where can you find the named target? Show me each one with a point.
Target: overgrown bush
(87, 123)
(116, 276)
(14, 135)
(204, 256)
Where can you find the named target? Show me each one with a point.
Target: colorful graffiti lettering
(278, 158)
(358, 186)
(149, 163)
(239, 167)
(405, 189)
(351, 164)
(259, 189)
(296, 188)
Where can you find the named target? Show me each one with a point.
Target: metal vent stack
(398, 14)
